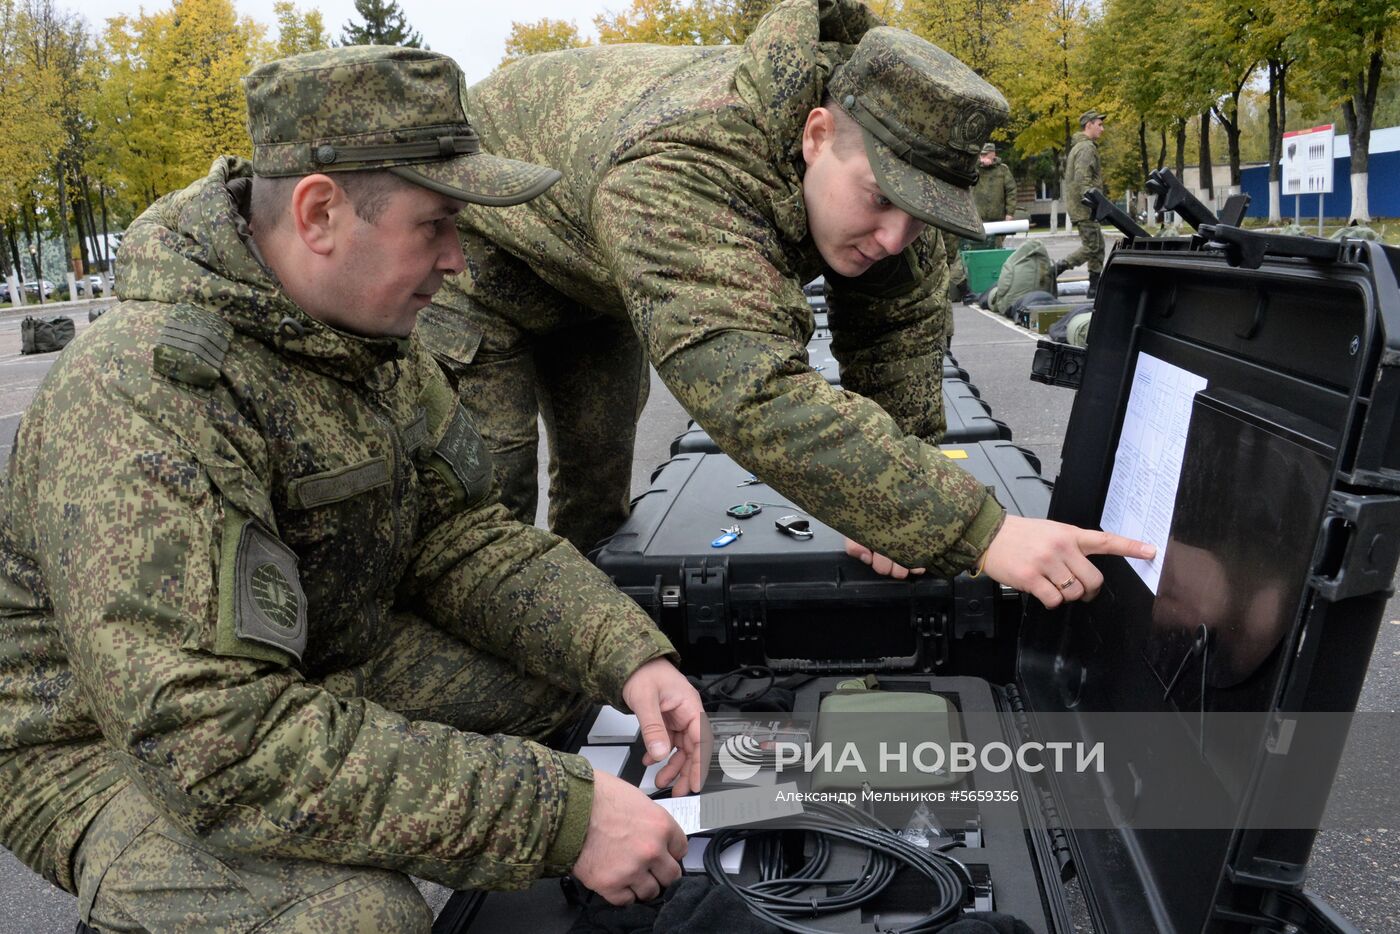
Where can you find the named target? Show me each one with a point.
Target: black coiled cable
(777, 899)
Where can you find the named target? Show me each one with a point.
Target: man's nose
(451, 259)
(897, 231)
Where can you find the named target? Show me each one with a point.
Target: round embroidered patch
(275, 597)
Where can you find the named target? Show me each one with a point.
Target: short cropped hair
(848, 137)
(369, 192)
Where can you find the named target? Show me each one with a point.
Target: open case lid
(1275, 362)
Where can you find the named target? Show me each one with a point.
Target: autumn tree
(32, 121)
(683, 22)
(1046, 81)
(545, 35)
(298, 31)
(171, 97)
(383, 24)
(1347, 43)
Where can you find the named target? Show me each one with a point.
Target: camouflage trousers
(137, 871)
(1090, 247)
(538, 355)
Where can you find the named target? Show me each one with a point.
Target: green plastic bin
(983, 267)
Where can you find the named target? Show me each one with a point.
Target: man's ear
(320, 212)
(818, 133)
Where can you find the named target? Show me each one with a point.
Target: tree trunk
(99, 249)
(1142, 149)
(1275, 139)
(1180, 146)
(4, 257)
(1359, 110)
(1231, 125)
(37, 255)
(1207, 180)
(80, 228)
(63, 220)
(10, 228)
(106, 237)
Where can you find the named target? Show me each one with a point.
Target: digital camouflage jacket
(1082, 172)
(681, 207)
(215, 500)
(995, 192)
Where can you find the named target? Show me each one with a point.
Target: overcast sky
(474, 32)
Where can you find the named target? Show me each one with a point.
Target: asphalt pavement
(1359, 873)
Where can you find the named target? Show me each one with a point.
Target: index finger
(1108, 543)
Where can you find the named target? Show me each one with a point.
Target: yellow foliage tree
(31, 118)
(545, 35)
(683, 22)
(170, 98)
(299, 32)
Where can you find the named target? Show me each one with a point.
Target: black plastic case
(796, 605)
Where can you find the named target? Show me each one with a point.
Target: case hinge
(706, 604)
(1359, 546)
(1055, 830)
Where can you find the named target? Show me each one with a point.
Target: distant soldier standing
(1082, 173)
(995, 192)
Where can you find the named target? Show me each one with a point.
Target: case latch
(1057, 364)
(1359, 547)
(706, 604)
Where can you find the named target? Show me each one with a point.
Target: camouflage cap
(989, 148)
(354, 108)
(925, 116)
(1089, 115)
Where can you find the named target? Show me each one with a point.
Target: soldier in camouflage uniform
(702, 187)
(995, 192)
(1082, 173)
(268, 641)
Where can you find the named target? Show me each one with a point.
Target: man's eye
(881, 201)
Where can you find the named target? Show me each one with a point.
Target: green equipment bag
(874, 737)
(1027, 270)
(45, 335)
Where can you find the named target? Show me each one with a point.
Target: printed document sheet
(1147, 466)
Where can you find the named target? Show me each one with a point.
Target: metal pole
(1319, 213)
(1298, 210)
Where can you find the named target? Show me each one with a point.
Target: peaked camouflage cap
(925, 116)
(1089, 116)
(364, 107)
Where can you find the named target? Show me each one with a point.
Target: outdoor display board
(1307, 161)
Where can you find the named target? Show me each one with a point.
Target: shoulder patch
(262, 608)
(192, 346)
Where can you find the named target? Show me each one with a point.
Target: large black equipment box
(1280, 549)
(797, 604)
(968, 419)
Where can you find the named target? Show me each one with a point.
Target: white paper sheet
(614, 726)
(716, 809)
(1147, 466)
(608, 759)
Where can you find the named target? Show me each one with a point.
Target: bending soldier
(270, 642)
(702, 187)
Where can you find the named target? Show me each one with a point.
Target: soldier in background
(995, 192)
(269, 642)
(1082, 173)
(702, 187)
